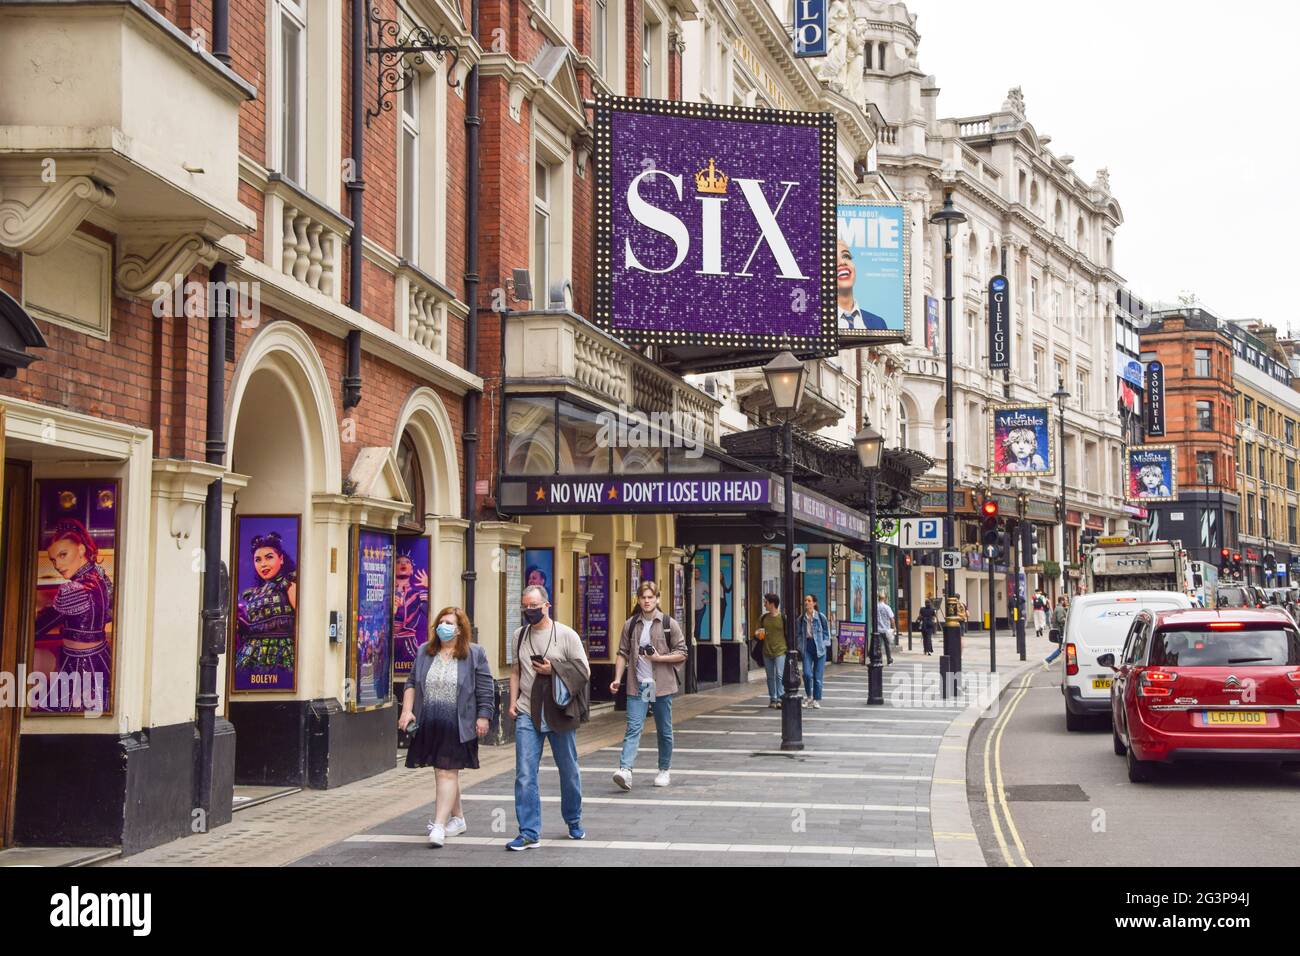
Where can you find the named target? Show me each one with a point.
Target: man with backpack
(652, 647)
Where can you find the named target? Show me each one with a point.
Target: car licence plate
(1236, 718)
(1101, 683)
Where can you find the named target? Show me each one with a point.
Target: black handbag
(756, 651)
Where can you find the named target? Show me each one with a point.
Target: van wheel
(1139, 771)
(1075, 721)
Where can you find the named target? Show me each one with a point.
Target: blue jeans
(1054, 655)
(528, 758)
(775, 667)
(814, 670)
(637, 708)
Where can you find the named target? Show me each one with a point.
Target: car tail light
(1225, 626)
(1071, 660)
(1156, 684)
(1294, 677)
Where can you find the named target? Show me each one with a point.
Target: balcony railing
(421, 306)
(305, 237)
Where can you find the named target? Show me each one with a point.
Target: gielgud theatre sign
(715, 230)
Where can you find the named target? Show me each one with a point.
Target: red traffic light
(989, 509)
(1236, 556)
(1223, 553)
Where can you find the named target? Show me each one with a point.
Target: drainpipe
(469, 437)
(221, 31)
(214, 601)
(356, 187)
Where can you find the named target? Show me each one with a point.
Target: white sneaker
(817, 705)
(805, 700)
(437, 835)
(623, 777)
(661, 778)
(456, 826)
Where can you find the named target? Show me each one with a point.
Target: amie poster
(410, 602)
(372, 617)
(76, 576)
(265, 656)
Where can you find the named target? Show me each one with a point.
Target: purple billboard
(715, 226)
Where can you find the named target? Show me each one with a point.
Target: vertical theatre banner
(872, 293)
(814, 583)
(1152, 473)
(539, 569)
(410, 602)
(702, 592)
(715, 226)
(372, 617)
(858, 592)
(1020, 440)
(73, 646)
(810, 27)
(1155, 423)
(266, 596)
(726, 595)
(932, 325)
(598, 588)
(999, 323)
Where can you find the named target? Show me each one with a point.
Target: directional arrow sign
(920, 533)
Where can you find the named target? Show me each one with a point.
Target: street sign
(951, 560)
(920, 533)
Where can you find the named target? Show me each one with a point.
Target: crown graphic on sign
(711, 180)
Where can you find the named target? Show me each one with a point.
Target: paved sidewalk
(874, 786)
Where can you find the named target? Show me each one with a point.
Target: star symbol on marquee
(541, 494)
(613, 493)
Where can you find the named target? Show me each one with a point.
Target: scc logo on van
(1117, 612)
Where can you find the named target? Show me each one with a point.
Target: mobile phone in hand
(537, 659)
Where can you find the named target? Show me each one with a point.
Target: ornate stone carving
(1015, 101)
(146, 260)
(1102, 182)
(38, 226)
(831, 68)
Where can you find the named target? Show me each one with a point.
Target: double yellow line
(993, 744)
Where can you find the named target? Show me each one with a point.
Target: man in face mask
(544, 648)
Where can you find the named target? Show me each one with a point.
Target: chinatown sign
(703, 494)
(715, 226)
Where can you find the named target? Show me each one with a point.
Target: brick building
(1199, 420)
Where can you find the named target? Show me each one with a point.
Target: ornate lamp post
(871, 447)
(1061, 395)
(950, 219)
(786, 377)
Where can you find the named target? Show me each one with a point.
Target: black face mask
(534, 615)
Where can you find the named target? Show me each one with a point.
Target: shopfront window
(530, 436)
(408, 463)
(584, 443)
(638, 461)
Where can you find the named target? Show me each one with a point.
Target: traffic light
(989, 524)
(1001, 547)
(1236, 563)
(1225, 558)
(1029, 553)
(1270, 563)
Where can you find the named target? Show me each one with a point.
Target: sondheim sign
(715, 226)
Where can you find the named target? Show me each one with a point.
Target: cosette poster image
(1152, 471)
(1020, 439)
(73, 642)
(265, 656)
(372, 617)
(410, 602)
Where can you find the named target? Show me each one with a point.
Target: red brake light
(1156, 684)
(1225, 626)
(1159, 675)
(1071, 660)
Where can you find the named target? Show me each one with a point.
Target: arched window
(866, 58)
(408, 463)
(902, 425)
(881, 55)
(1033, 195)
(1080, 234)
(1058, 219)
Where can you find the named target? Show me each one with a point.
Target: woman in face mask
(447, 706)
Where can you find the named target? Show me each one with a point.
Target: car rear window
(1232, 597)
(1262, 647)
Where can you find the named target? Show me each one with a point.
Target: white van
(1097, 624)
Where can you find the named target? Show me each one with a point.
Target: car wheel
(1120, 749)
(1075, 721)
(1139, 771)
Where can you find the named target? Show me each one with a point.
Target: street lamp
(786, 376)
(1061, 395)
(950, 219)
(871, 447)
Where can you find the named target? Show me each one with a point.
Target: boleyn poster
(76, 580)
(1021, 440)
(712, 226)
(871, 273)
(1152, 473)
(266, 596)
(410, 602)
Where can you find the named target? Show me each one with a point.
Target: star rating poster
(372, 618)
(597, 630)
(872, 297)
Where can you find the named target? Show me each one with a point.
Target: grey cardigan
(475, 689)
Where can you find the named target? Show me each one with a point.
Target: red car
(1206, 684)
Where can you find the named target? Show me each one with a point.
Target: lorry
(1139, 566)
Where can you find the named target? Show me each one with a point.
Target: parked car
(1206, 684)
(1096, 625)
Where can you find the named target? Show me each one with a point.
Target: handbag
(756, 651)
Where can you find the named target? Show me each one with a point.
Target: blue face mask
(446, 631)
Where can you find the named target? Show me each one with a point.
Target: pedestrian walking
(448, 704)
(1040, 612)
(963, 614)
(1059, 616)
(815, 632)
(651, 646)
(884, 624)
(771, 631)
(548, 699)
(929, 615)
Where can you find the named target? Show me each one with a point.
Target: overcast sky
(1190, 104)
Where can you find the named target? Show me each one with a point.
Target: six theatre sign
(715, 225)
